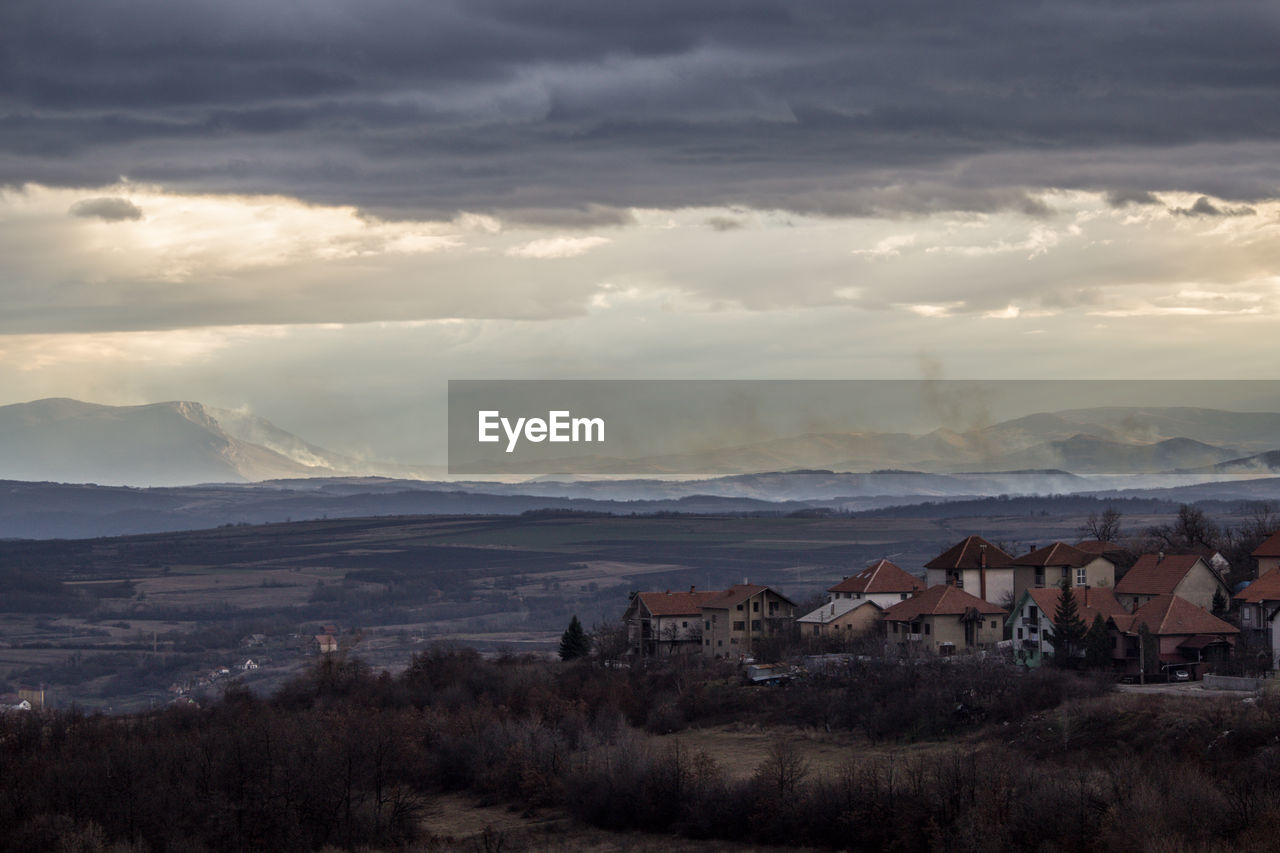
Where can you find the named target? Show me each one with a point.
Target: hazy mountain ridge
(180, 443)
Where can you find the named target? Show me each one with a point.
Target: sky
(320, 212)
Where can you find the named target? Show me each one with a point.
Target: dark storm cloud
(106, 209)
(411, 108)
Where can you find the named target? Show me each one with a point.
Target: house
(881, 582)
(1268, 554)
(845, 617)
(975, 566)
(33, 695)
(666, 623)
(1118, 554)
(945, 619)
(1187, 576)
(1187, 634)
(1258, 604)
(1030, 624)
(327, 643)
(1050, 566)
(734, 621)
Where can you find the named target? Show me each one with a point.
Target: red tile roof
(967, 554)
(1269, 548)
(739, 593)
(1171, 614)
(1157, 575)
(1265, 588)
(677, 603)
(941, 600)
(1057, 554)
(881, 576)
(1089, 601)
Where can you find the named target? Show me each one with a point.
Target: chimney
(692, 589)
(1160, 558)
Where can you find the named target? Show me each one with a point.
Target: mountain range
(182, 443)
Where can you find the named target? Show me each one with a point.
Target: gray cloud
(106, 209)
(1124, 198)
(411, 109)
(1204, 207)
(723, 223)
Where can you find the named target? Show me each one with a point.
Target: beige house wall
(851, 624)
(943, 630)
(1000, 582)
(1099, 572)
(732, 632)
(1199, 585)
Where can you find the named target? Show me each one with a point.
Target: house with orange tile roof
(974, 565)
(1188, 636)
(1268, 554)
(1188, 576)
(666, 623)
(1048, 567)
(1257, 606)
(946, 620)
(1031, 622)
(736, 620)
(881, 582)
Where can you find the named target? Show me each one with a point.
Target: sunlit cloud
(551, 248)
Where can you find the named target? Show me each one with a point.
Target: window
(817, 629)
(1082, 577)
(738, 626)
(993, 624)
(755, 607)
(1039, 575)
(1032, 612)
(684, 624)
(903, 596)
(1019, 633)
(1246, 615)
(739, 608)
(719, 642)
(708, 624)
(733, 641)
(927, 626)
(755, 624)
(708, 644)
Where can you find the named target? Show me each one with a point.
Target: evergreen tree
(1219, 603)
(1097, 644)
(1068, 628)
(574, 642)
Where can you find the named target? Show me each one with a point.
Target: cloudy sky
(321, 211)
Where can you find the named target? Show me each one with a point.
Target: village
(1159, 616)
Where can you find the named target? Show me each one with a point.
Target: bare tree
(1191, 529)
(1104, 526)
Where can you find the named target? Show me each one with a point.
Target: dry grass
(458, 822)
(740, 749)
